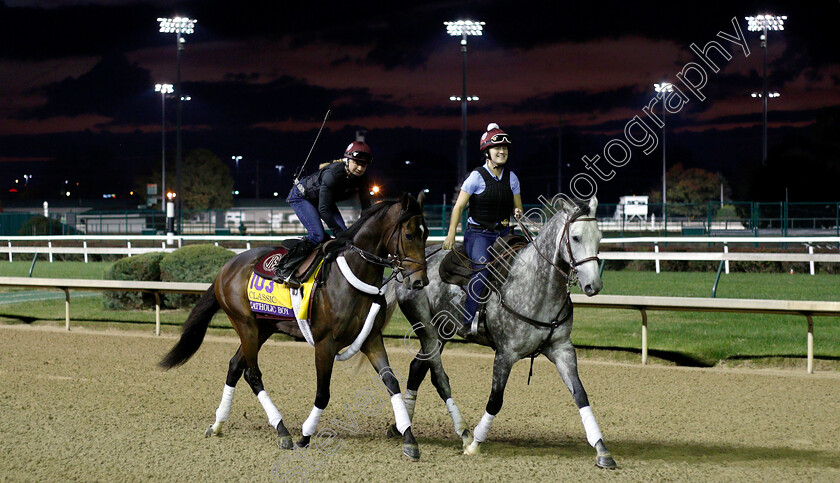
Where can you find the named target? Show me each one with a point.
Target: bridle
(399, 270)
(394, 260)
(571, 279)
(571, 274)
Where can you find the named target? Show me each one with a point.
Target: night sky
(77, 98)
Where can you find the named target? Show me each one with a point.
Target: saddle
(297, 257)
(456, 266)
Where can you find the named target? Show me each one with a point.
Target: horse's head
(408, 242)
(578, 244)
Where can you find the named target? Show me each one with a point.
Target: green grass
(44, 269)
(734, 285)
(702, 339)
(705, 339)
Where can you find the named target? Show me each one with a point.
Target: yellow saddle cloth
(275, 298)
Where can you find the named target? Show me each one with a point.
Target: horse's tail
(192, 334)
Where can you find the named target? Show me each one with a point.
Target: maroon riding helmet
(494, 137)
(359, 152)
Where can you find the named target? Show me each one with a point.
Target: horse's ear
(404, 200)
(593, 205)
(421, 198)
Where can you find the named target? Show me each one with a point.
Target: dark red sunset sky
(78, 76)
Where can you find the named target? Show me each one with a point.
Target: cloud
(111, 88)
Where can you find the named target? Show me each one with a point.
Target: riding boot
(285, 271)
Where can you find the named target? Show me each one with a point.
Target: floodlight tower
(463, 29)
(763, 23)
(164, 89)
(662, 89)
(179, 26)
(236, 160)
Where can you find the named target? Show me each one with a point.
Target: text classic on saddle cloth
(274, 298)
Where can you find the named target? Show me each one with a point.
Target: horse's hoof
(212, 430)
(604, 459)
(285, 442)
(284, 439)
(392, 432)
(466, 438)
(473, 448)
(303, 443)
(605, 462)
(412, 451)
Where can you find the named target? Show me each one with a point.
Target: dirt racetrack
(92, 406)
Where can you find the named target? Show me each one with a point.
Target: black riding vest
(347, 185)
(491, 208)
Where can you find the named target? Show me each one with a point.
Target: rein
(571, 274)
(392, 261)
(570, 277)
(397, 267)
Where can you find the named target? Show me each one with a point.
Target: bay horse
(387, 234)
(528, 315)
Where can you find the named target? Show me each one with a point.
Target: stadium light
(463, 29)
(662, 88)
(179, 26)
(236, 160)
(764, 23)
(164, 89)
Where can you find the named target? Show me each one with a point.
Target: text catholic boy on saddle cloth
(492, 191)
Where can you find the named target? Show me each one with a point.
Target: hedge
(193, 263)
(142, 268)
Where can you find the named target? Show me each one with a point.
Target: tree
(205, 182)
(689, 190)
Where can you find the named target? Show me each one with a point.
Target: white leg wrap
(455, 414)
(483, 427)
(593, 432)
(311, 422)
(410, 399)
(223, 413)
(400, 413)
(274, 416)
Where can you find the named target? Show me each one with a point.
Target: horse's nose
(591, 289)
(417, 285)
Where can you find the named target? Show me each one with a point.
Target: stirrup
(289, 280)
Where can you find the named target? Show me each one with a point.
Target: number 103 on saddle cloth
(274, 298)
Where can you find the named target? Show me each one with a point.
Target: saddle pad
(455, 268)
(265, 266)
(273, 298)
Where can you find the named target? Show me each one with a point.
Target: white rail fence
(67, 284)
(156, 243)
(808, 309)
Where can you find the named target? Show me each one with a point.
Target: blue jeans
(477, 242)
(308, 214)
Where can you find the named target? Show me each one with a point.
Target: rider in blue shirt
(492, 193)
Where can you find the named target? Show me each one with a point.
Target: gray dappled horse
(531, 313)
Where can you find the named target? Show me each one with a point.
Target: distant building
(630, 207)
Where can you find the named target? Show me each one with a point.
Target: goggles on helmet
(360, 157)
(500, 139)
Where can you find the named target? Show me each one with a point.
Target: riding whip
(300, 171)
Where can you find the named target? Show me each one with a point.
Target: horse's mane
(378, 210)
(581, 208)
